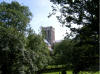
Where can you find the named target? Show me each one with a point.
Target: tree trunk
(64, 72)
(4, 69)
(38, 73)
(75, 72)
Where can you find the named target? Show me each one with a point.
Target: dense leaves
(14, 15)
(39, 53)
(11, 51)
(84, 14)
(21, 50)
(80, 12)
(62, 51)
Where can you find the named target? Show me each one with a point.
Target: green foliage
(83, 13)
(11, 51)
(39, 50)
(62, 52)
(79, 12)
(14, 15)
(70, 72)
(21, 50)
(43, 33)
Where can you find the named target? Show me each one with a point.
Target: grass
(52, 73)
(55, 66)
(70, 72)
(67, 72)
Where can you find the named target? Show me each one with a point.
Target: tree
(11, 51)
(43, 33)
(82, 13)
(21, 50)
(14, 19)
(63, 54)
(37, 51)
(14, 15)
(62, 51)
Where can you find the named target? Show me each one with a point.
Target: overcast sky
(40, 10)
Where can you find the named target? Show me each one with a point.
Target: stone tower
(49, 34)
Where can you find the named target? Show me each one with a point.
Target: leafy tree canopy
(82, 13)
(14, 15)
(20, 53)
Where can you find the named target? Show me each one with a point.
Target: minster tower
(49, 34)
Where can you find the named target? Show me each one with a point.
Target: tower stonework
(50, 34)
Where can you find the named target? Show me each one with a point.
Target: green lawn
(70, 72)
(52, 73)
(67, 72)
